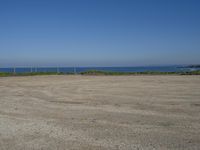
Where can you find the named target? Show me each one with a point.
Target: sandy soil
(100, 113)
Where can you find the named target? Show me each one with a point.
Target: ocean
(82, 69)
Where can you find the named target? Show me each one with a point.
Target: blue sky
(99, 32)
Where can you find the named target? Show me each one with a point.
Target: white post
(74, 70)
(14, 70)
(58, 70)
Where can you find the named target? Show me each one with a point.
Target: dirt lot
(100, 113)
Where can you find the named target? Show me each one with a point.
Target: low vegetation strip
(96, 72)
(2, 74)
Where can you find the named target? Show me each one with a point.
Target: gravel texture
(76, 112)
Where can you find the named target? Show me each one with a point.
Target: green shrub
(96, 72)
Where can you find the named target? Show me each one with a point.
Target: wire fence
(77, 70)
(15, 70)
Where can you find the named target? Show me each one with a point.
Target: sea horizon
(169, 68)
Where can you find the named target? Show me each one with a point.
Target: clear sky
(99, 32)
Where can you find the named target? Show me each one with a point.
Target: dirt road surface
(100, 113)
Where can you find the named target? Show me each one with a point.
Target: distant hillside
(193, 66)
(190, 66)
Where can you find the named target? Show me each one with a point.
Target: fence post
(74, 70)
(14, 70)
(58, 70)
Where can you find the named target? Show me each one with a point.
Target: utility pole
(74, 70)
(14, 70)
(58, 71)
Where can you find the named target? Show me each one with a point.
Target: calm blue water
(82, 69)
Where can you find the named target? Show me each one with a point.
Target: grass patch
(2, 74)
(96, 72)
(197, 72)
(37, 73)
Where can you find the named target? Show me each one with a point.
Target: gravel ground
(100, 113)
